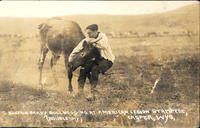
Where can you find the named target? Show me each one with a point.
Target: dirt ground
(172, 61)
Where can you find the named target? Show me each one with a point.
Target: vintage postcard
(99, 64)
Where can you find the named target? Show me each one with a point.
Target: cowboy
(94, 67)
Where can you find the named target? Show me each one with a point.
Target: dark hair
(93, 27)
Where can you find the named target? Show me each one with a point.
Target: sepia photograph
(99, 64)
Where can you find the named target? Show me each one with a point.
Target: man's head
(92, 30)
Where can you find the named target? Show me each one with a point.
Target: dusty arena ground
(127, 86)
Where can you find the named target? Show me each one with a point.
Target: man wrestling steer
(94, 67)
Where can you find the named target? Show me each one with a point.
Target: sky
(62, 8)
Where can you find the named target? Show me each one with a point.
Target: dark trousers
(91, 70)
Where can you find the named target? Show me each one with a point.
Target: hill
(185, 18)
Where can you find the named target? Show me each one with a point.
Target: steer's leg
(69, 69)
(44, 51)
(53, 62)
(70, 75)
(81, 79)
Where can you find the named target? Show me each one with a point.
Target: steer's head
(87, 53)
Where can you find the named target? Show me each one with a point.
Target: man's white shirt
(102, 44)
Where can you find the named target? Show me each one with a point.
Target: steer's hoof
(70, 90)
(41, 85)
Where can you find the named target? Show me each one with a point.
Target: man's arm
(93, 40)
(102, 43)
(76, 50)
